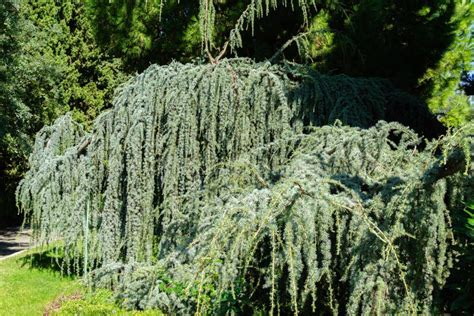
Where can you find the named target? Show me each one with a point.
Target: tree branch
(82, 148)
(455, 162)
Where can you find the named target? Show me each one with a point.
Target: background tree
(61, 57)
(50, 65)
(422, 47)
(14, 115)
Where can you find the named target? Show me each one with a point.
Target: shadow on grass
(53, 260)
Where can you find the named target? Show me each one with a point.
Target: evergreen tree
(226, 187)
(442, 82)
(145, 32)
(72, 72)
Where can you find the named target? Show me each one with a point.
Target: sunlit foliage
(212, 188)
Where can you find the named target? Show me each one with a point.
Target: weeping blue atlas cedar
(237, 186)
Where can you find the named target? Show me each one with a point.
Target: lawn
(27, 289)
(31, 284)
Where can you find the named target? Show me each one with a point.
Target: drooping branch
(294, 39)
(454, 163)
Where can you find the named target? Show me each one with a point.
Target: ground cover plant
(239, 187)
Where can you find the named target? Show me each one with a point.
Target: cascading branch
(211, 189)
(254, 10)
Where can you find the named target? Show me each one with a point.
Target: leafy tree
(51, 65)
(14, 115)
(442, 82)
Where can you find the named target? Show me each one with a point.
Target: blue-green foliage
(245, 183)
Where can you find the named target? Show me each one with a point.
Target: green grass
(31, 284)
(26, 289)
